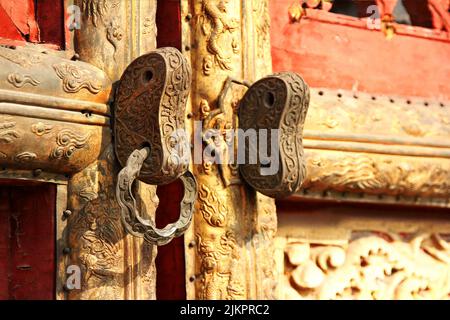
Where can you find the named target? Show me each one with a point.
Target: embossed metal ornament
(134, 222)
(150, 138)
(279, 102)
(150, 111)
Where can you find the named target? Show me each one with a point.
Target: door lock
(150, 138)
(151, 142)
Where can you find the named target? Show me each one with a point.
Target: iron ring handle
(132, 220)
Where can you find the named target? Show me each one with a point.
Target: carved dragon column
(114, 265)
(229, 247)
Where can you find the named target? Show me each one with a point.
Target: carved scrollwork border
(381, 266)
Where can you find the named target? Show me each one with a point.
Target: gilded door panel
(114, 265)
(228, 248)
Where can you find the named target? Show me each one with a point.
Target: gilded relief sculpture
(380, 267)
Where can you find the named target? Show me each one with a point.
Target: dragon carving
(215, 23)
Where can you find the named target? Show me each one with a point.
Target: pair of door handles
(151, 144)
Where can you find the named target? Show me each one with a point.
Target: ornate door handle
(137, 225)
(271, 116)
(277, 103)
(151, 143)
(152, 146)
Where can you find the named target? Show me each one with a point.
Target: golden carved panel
(367, 177)
(115, 32)
(233, 228)
(49, 145)
(357, 114)
(381, 266)
(343, 251)
(53, 110)
(369, 148)
(114, 265)
(50, 73)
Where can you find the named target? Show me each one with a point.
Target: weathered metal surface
(278, 102)
(150, 111)
(30, 70)
(49, 145)
(353, 176)
(53, 111)
(113, 265)
(114, 33)
(388, 119)
(134, 222)
(61, 217)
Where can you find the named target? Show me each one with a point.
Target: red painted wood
(289, 208)
(440, 13)
(7, 27)
(170, 261)
(334, 51)
(50, 16)
(22, 14)
(168, 20)
(30, 21)
(4, 243)
(27, 217)
(170, 264)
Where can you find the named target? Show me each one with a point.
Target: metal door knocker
(150, 138)
(271, 117)
(277, 103)
(152, 146)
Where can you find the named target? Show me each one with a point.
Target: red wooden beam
(170, 261)
(7, 28)
(340, 52)
(50, 16)
(21, 22)
(22, 14)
